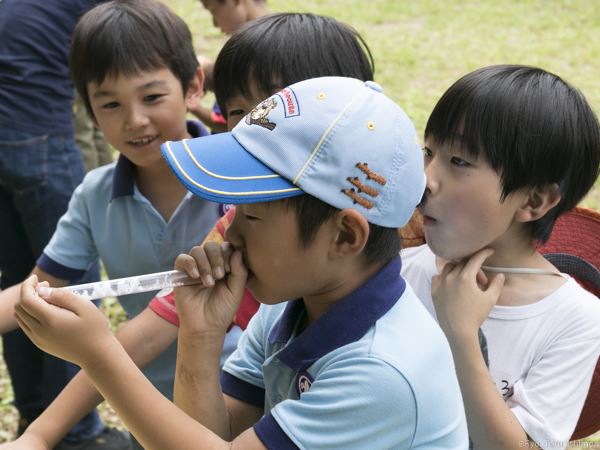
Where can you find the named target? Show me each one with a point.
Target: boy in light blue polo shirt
(324, 172)
(134, 214)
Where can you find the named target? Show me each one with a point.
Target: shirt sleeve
(549, 399)
(71, 250)
(163, 304)
(217, 233)
(242, 375)
(352, 404)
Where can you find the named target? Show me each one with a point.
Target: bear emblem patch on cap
(258, 116)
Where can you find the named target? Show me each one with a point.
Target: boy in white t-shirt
(508, 149)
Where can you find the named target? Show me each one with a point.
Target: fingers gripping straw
(132, 285)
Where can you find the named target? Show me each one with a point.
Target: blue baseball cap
(338, 139)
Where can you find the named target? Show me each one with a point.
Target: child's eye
(459, 162)
(236, 112)
(427, 153)
(110, 105)
(250, 218)
(152, 98)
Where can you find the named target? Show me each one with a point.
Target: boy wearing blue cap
(324, 172)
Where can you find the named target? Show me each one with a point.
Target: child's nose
(432, 184)
(233, 236)
(136, 118)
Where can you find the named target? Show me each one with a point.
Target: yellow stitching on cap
(222, 177)
(312, 154)
(321, 96)
(371, 126)
(214, 191)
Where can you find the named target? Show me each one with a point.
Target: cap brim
(219, 169)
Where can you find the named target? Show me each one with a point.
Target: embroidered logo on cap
(288, 98)
(258, 116)
(359, 187)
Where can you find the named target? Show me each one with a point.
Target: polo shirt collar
(123, 181)
(347, 321)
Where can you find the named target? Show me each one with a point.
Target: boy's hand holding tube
(210, 306)
(63, 324)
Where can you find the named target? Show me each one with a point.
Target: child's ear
(538, 203)
(195, 89)
(351, 233)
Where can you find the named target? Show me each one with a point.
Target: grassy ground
(420, 48)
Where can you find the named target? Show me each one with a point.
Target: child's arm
(10, 296)
(462, 306)
(143, 338)
(53, 317)
(8, 299)
(205, 313)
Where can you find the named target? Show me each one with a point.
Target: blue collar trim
(123, 180)
(347, 321)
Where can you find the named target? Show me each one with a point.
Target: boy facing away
(229, 16)
(133, 63)
(508, 149)
(325, 171)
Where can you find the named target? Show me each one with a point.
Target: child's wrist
(208, 343)
(205, 336)
(460, 336)
(34, 440)
(104, 351)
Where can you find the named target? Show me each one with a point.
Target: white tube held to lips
(132, 285)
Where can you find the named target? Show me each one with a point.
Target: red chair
(574, 248)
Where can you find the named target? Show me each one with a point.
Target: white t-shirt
(542, 355)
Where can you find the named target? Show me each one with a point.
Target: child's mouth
(427, 220)
(143, 141)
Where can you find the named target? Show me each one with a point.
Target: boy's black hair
(275, 51)
(127, 37)
(382, 244)
(533, 128)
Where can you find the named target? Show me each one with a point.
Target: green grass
(421, 47)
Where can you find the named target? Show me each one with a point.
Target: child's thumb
(61, 298)
(496, 285)
(239, 273)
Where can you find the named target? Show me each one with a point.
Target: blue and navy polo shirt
(109, 218)
(375, 371)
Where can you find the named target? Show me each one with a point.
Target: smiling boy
(133, 63)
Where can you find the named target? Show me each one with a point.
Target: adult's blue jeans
(37, 177)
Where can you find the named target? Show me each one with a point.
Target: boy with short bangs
(134, 65)
(337, 367)
(508, 149)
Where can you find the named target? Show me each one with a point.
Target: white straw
(132, 285)
(520, 270)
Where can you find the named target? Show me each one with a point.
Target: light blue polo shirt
(110, 219)
(375, 372)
